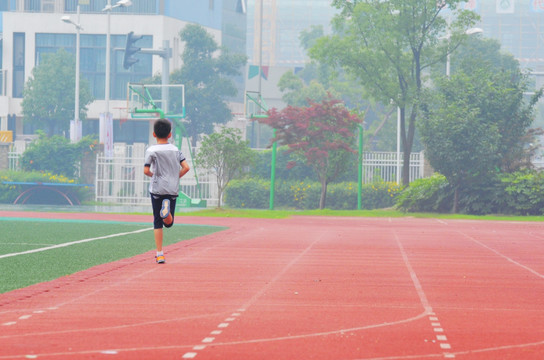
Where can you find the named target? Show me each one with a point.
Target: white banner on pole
(106, 133)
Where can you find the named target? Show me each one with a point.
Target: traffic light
(130, 50)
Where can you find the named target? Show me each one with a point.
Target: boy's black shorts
(156, 202)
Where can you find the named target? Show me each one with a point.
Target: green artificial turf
(20, 235)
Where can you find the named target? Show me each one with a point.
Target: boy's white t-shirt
(164, 160)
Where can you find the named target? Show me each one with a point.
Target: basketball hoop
(123, 114)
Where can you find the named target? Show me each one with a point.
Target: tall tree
(388, 44)
(477, 123)
(48, 96)
(207, 73)
(321, 134)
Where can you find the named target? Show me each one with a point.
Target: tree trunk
(323, 198)
(455, 200)
(219, 194)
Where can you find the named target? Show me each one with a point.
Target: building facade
(31, 28)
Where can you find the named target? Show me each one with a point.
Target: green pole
(360, 169)
(273, 172)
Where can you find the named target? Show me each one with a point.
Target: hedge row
(518, 193)
(10, 192)
(254, 193)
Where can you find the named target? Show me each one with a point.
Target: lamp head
(473, 31)
(66, 19)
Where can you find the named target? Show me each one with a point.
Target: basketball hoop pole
(262, 107)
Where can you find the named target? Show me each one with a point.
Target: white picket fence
(121, 180)
(378, 166)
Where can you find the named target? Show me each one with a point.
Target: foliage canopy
(49, 95)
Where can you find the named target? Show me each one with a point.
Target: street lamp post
(471, 31)
(75, 127)
(108, 9)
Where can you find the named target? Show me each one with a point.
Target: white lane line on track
(73, 243)
(394, 357)
(255, 297)
(502, 255)
(209, 340)
(434, 321)
(415, 280)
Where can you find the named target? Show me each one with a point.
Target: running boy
(165, 164)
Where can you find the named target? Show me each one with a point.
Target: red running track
(299, 288)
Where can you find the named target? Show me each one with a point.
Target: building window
(18, 65)
(211, 4)
(33, 5)
(241, 6)
(4, 5)
(96, 6)
(92, 60)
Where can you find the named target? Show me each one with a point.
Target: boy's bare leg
(158, 239)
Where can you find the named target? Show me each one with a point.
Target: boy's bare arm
(147, 171)
(184, 168)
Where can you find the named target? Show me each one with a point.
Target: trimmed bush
(304, 195)
(9, 192)
(432, 194)
(523, 193)
(56, 154)
(518, 193)
(248, 193)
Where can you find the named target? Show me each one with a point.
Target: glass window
(130, 131)
(93, 60)
(18, 64)
(32, 5)
(96, 6)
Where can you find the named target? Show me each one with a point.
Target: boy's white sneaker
(165, 210)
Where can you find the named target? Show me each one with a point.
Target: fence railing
(384, 166)
(121, 180)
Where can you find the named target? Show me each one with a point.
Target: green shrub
(379, 195)
(519, 193)
(481, 196)
(10, 192)
(56, 154)
(248, 193)
(432, 194)
(304, 195)
(523, 193)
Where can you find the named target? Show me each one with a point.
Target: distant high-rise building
(282, 23)
(30, 29)
(518, 25)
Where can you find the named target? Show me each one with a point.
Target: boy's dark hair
(162, 128)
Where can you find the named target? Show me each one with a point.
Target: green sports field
(36, 250)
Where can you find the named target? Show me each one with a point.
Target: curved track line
(241, 342)
(178, 347)
(116, 327)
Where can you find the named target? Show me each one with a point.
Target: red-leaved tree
(322, 135)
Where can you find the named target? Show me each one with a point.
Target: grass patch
(282, 214)
(19, 235)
